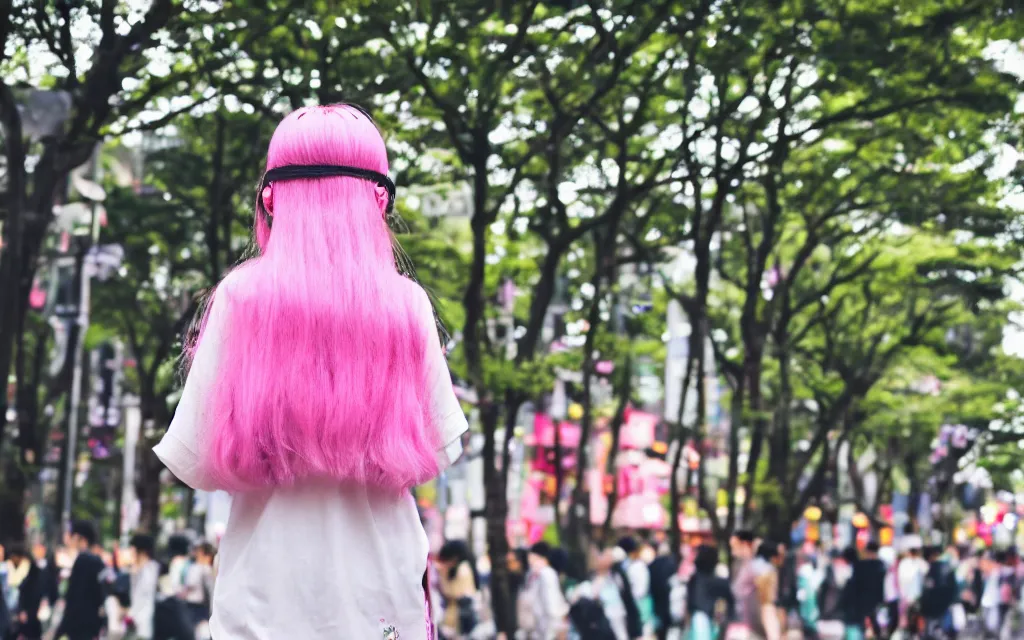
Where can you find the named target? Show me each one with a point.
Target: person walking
(460, 588)
(25, 614)
(710, 604)
(543, 594)
(762, 616)
(145, 576)
(639, 576)
(597, 609)
(318, 395)
(865, 591)
(83, 599)
(662, 570)
(197, 589)
(938, 595)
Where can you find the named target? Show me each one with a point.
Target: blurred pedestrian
(144, 578)
(662, 569)
(710, 604)
(518, 568)
(544, 597)
(639, 576)
(25, 612)
(809, 575)
(172, 583)
(460, 587)
(83, 598)
(608, 618)
(198, 584)
(762, 618)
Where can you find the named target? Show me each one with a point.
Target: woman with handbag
(460, 587)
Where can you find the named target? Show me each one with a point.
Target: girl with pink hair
(318, 395)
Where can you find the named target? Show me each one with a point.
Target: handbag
(467, 614)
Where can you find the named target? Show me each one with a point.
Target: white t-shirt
(318, 560)
(910, 575)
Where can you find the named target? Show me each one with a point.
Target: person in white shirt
(639, 576)
(910, 573)
(603, 588)
(198, 586)
(318, 395)
(543, 594)
(145, 575)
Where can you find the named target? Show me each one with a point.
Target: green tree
(180, 234)
(73, 75)
(820, 130)
(523, 106)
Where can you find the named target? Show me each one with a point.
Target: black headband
(299, 171)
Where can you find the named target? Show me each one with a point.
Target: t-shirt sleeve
(445, 408)
(182, 447)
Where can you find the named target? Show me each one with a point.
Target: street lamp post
(82, 320)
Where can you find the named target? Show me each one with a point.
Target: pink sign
(638, 432)
(36, 297)
(544, 433)
(640, 511)
(630, 481)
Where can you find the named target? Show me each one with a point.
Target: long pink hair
(322, 370)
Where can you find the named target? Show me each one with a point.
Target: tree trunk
(496, 511)
(732, 482)
(578, 534)
(679, 437)
(559, 478)
(148, 490)
(12, 241)
(74, 337)
(31, 437)
(752, 373)
(626, 382)
(699, 337)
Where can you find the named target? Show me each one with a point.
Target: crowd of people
(635, 589)
(86, 590)
(756, 589)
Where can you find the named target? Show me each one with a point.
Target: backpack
(588, 618)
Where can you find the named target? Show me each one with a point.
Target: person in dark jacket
(83, 600)
(51, 579)
(710, 604)
(662, 569)
(30, 596)
(939, 593)
(865, 591)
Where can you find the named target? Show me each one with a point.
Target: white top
(910, 575)
(318, 560)
(143, 596)
(639, 578)
(548, 606)
(198, 583)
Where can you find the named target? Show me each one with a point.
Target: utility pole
(71, 453)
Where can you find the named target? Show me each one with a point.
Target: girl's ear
(382, 199)
(268, 198)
